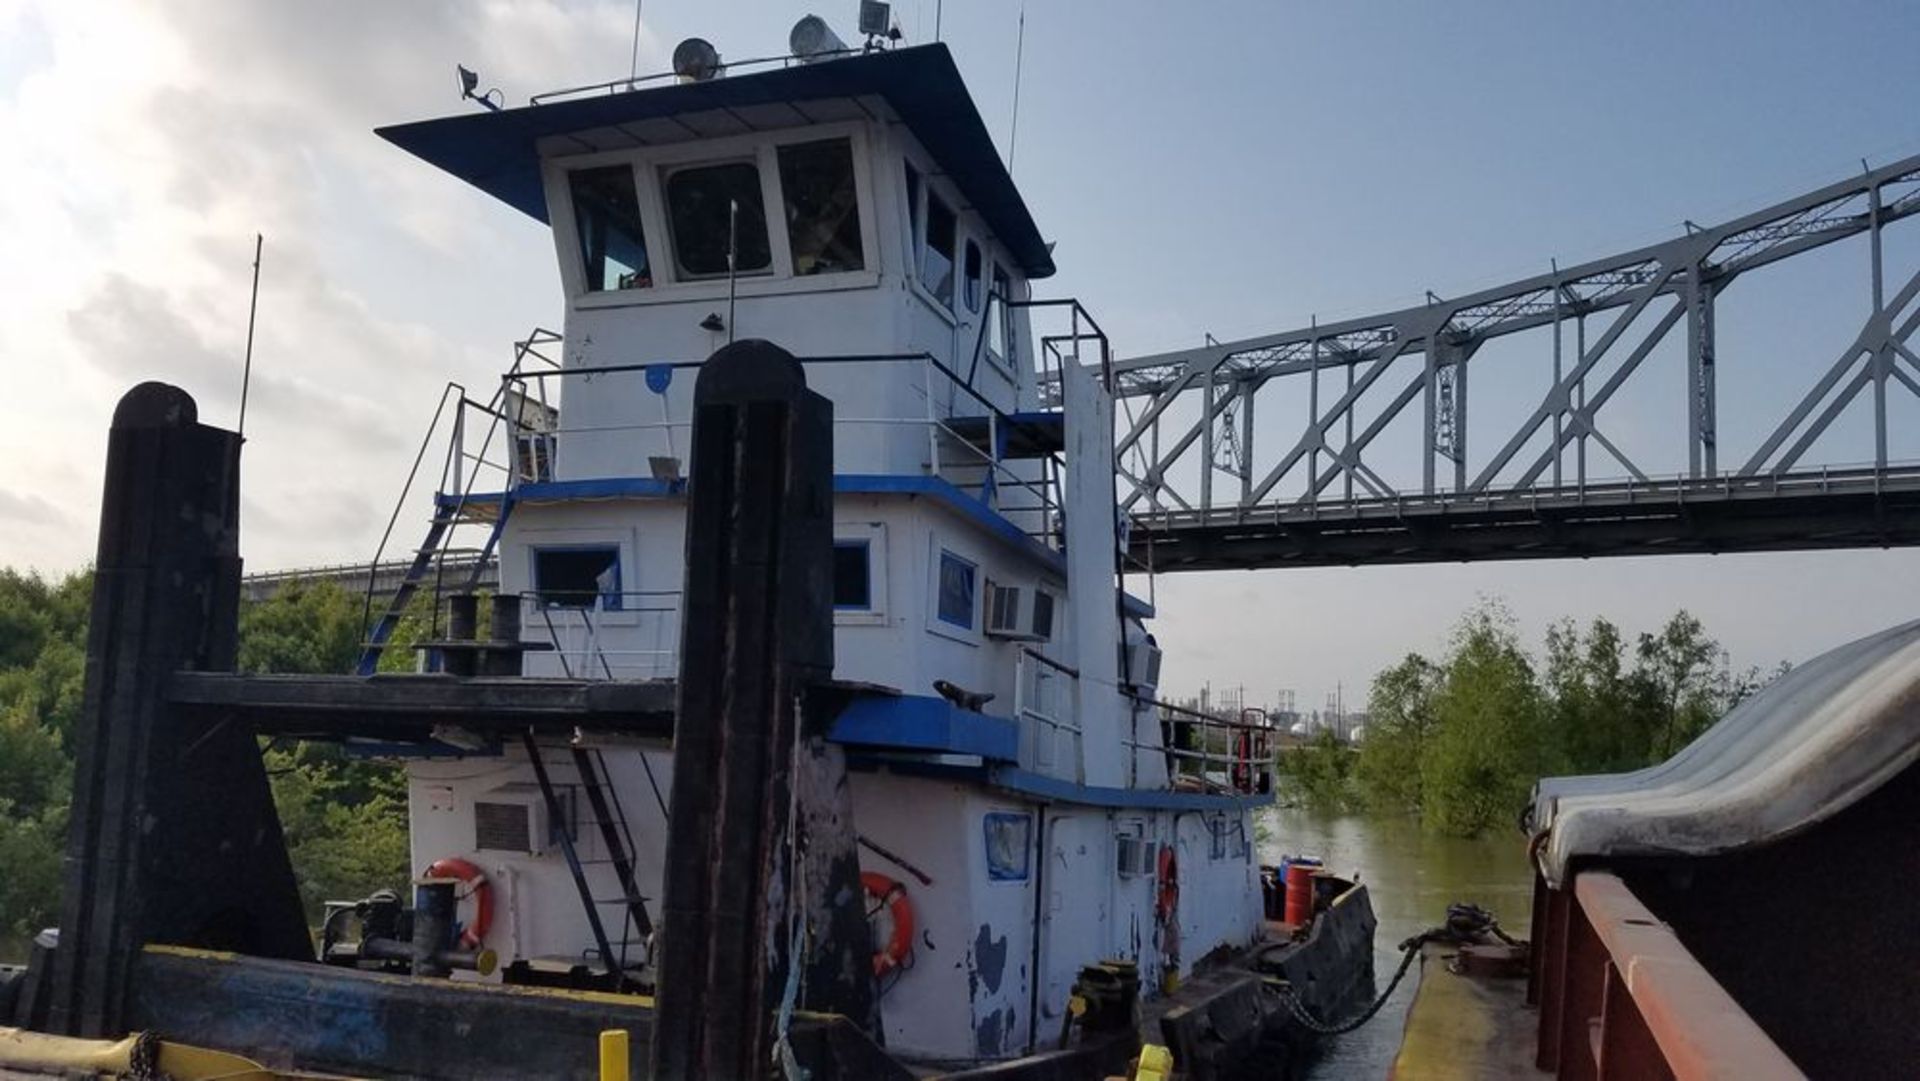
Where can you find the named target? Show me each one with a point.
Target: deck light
(813, 40)
(469, 82)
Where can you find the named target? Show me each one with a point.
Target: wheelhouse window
(852, 575)
(954, 605)
(712, 209)
(915, 211)
(822, 207)
(582, 577)
(606, 220)
(936, 257)
(972, 276)
(1000, 325)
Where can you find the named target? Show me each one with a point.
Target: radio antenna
(633, 71)
(1019, 56)
(253, 307)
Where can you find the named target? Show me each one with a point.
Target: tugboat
(1059, 871)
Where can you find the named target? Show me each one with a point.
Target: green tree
(1321, 771)
(1685, 674)
(345, 817)
(1400, 722)
(1490, 737)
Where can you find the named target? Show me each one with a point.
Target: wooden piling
(173, 835)
(758, 843)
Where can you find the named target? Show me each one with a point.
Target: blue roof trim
(944, 492)
(497, 152)
(925, 723)
(1136, 607)
(557, 490)
(1054, 790)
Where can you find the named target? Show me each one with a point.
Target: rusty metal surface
(1622, 997)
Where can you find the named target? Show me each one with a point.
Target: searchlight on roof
(695, 60)
(812, 40)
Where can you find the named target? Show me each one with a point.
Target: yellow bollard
(613, 1055)
(1156, 1063)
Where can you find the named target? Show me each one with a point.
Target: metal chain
(1465, 924)
(1301, 1014)
(143, 1062)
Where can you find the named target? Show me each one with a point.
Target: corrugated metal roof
(1809, 745)
(499, 152)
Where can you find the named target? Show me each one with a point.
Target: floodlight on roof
(812, 39)
(695, 60)
(469, 82)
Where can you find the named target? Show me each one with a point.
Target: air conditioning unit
(1140, 665)
(1018, 613)
(1135, 855)
(513, 818)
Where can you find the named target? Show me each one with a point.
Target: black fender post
(762, 837)
(173, 836)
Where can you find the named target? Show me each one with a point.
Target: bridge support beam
(1702, 412)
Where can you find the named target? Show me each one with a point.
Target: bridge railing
(1680, 488)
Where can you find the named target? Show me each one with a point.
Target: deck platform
(1463, 1026)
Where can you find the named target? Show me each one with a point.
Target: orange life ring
(893, 897)
(1169, 895)
(454, 867)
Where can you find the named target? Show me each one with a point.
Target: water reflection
(1413, 875)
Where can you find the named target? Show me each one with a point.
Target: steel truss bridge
(1202, 496)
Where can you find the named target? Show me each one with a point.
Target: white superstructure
(854, 212)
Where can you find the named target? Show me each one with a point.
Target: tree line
(1460, 740)
(344, 816)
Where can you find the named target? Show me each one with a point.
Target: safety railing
(958, 449)
(1043, 703)
(1211, 753)
(632, 634)
(466, 471)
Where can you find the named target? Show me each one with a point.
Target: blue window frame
(1009, 839)
(577, 576)
(852, 576)
(954, 604)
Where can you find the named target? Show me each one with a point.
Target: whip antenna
(253, 307)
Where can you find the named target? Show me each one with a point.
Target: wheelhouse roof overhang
(500, 152)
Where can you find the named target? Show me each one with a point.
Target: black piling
(173, 836)
(763, 836)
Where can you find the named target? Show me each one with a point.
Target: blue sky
(1233, 169)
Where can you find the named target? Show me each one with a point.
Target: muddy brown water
(1412, 875)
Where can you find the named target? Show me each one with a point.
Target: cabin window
(972, 270)
(936, 258)
(822, 206)
(606, 221)
(701, 211)
(914, 211)
(1000, 325)
(852, 575)
(578, 577)
(1009, 838)
(954, 604)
